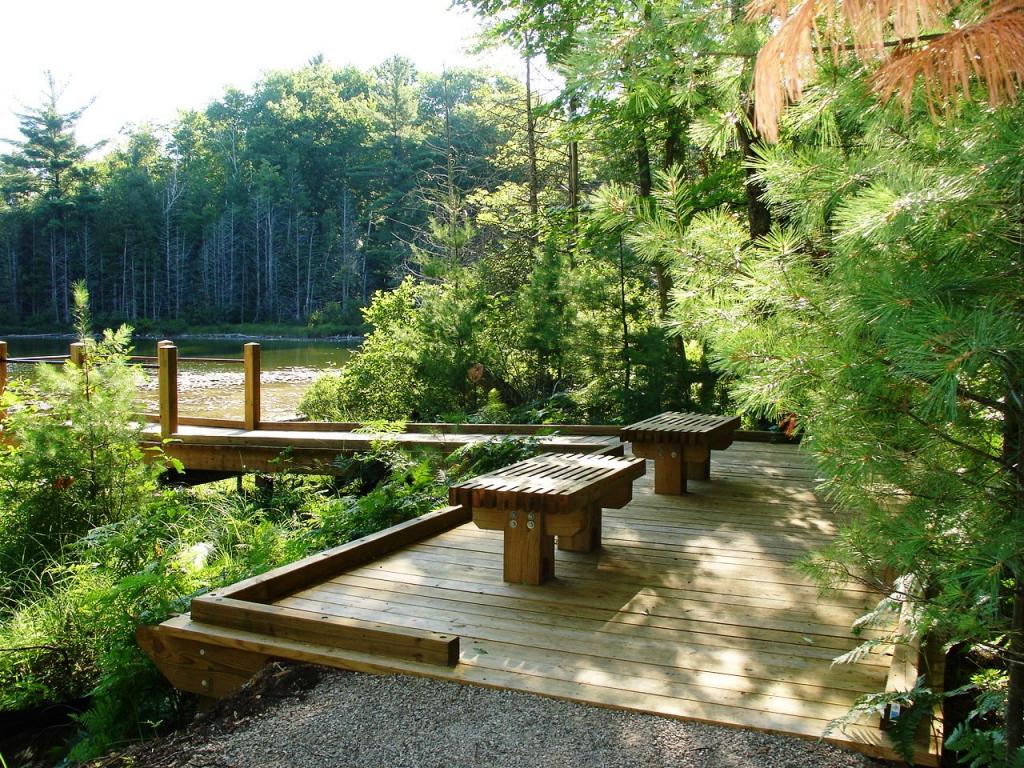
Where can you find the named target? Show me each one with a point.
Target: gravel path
(309, 717)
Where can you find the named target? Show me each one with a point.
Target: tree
(977, 45)
(48, 172)
(73, 461)
(886, 316)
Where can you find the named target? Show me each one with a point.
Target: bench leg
(699, 469)
(669, 472)
(589, 537)
(529, 553)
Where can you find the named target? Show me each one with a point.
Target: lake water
(215, 389)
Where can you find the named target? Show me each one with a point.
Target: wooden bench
(540, 498)
(681, 445)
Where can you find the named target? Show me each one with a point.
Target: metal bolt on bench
(551, 495)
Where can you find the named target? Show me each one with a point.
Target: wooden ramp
(691, 609)
(313, 447)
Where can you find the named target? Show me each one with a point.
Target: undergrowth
(122, 551)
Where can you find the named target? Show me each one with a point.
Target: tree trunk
(624, 316)
(574, 188)
(646, 184)
(531, 148)
(1015, 686)
(53, 277)
(1013, 457)
(757, 212)
(66, 310)
(309, 271)
(258, 263)
(271, 266)
(674, 145)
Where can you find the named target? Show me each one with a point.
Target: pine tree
(52, 169)
(73, 460)
(886, 315)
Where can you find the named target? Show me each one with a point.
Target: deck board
(693, 608)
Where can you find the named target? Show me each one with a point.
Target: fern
(914, 706)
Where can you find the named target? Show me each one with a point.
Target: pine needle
(784, 63)
(990, 51)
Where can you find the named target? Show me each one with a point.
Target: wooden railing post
(77, 351)
(251, 358)
(167, 373)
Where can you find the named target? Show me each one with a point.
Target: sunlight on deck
(692, 608)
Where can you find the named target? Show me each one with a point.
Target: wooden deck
(691, 609)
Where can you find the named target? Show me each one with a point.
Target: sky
(141, 61)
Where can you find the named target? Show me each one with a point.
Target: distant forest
(290, 202)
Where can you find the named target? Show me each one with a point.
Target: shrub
(73, 460)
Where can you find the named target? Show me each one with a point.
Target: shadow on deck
(691, 609)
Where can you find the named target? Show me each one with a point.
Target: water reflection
(213, 389)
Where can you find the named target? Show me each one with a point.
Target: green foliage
(73, 461)
(316, 184)
(380, 382)
(885, 314)
(911, 708)
(481, 458)
(977, 743)
(549, 351)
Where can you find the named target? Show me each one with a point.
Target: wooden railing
(167, 378)
(165, 363)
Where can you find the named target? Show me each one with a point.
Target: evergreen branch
(984, 455)
(1000, 651)
(965, 393)
(895, 43)
(991, 50)
(988, 402)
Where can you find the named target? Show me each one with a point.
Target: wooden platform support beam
(167, 373)
(204, 668)
(215, 669)
(251, 360)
